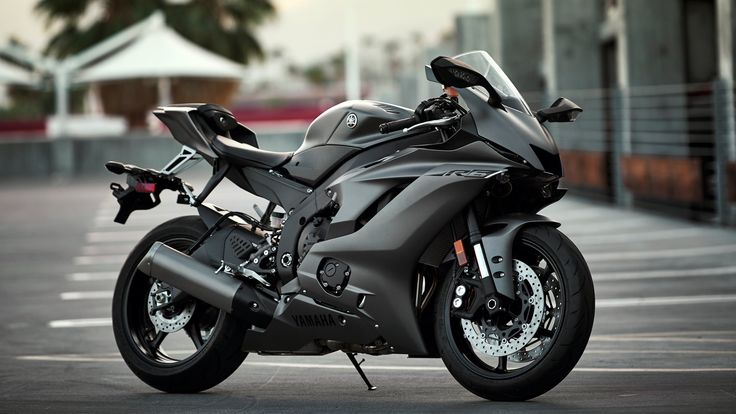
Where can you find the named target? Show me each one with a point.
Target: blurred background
(78, 79)
(651, 167)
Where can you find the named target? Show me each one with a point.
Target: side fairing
(382, 253)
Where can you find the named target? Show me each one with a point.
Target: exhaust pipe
(199, 280)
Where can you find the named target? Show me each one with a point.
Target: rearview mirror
(562, 110)
(452, 72)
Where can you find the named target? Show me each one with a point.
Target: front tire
(206, 350)
(559, 341)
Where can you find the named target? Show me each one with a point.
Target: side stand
(356, 364)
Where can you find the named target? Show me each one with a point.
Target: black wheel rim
(148, 342)
(548, 271)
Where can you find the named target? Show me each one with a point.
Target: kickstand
(356, 364)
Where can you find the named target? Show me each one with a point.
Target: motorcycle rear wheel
(557, 345)
(215, 336)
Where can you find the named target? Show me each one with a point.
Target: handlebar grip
(397, 125)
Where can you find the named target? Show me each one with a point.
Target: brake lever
(433, 123)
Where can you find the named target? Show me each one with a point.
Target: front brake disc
(488, 340)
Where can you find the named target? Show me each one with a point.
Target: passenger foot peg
(356, 364)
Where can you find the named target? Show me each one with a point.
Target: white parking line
(93, 294)
(80, 323)
(91, 276)
(661, 339)
(661, 254)
(115, 236)
(662, 300)
(106, 249)
(112, 358)
(663, 274)
(653, 235)
(614, 226)
(102, 259)
(658, 351)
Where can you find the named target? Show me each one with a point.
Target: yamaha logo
(352, 120)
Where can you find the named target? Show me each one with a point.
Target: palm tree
(225, 27)
(222, 26)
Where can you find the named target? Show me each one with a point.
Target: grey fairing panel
(273, 187)
(181, 123)
(383, 255)
(512, 129)
(357, 189)
(384, 252)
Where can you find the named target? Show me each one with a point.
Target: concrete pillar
(473, 32)
(61, 90)
(723, 106)
(550, 50)
(622, 137)
(520, 28)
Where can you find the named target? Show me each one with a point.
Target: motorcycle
(388, 231)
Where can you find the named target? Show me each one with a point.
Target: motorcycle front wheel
(185, 347)
(521, 353)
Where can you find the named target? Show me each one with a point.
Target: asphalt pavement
(663, 341)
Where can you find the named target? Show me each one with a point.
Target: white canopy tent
(147, 49)
(161, 53)
(15, 75)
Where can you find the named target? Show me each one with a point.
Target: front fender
(497, 244)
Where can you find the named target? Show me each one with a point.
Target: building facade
(655, 78)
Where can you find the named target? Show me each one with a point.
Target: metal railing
(654, 146)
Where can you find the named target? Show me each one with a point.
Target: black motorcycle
(389, 231)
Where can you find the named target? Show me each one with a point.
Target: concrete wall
(655, 42)
(577, 44)
(520, 28)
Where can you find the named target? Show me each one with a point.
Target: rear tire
(565, 346)
(217, 337)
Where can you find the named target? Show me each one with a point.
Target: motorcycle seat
(245, 155)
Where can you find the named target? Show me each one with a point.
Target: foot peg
(356, 364)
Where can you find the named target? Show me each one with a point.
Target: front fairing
(514, 130)
(511, 126)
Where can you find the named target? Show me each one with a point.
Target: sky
(305, 30)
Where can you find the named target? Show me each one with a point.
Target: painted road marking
(107, 248)
(638, 223)
(101, 259)
(91, 276)
(661, 254)
(80, 323)
(663, 300)
(662, 274)
(115, 236)
(93, 294)
(653, 235)
(684, 339)
(111, 358)
(658, 351)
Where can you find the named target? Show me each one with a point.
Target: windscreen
(484, 64)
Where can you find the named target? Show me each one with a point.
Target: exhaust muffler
(199, 280)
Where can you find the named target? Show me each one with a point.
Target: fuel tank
(353, 123)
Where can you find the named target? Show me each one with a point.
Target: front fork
(493, 257)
